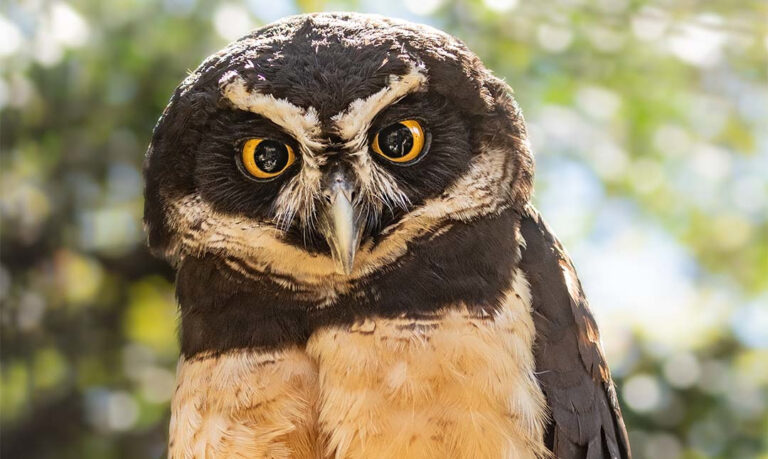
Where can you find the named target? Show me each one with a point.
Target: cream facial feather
(353, 123)
(261, 247)
(302, 123)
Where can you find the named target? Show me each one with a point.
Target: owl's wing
(585, 417)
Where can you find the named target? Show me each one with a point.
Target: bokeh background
(649, 120)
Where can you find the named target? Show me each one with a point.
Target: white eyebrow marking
(354, 121)
(303, 124)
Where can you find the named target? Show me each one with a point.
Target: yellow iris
(400, 142)
(265, 158)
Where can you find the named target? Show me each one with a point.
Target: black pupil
(271, 156)
(396, 140)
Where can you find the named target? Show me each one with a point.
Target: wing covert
(585, 420)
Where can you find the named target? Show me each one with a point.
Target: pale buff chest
(458, 385)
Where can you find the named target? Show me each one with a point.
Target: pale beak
(340, 227)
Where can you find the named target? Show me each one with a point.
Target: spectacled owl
(360, 271)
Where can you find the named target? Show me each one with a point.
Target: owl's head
(321, 146)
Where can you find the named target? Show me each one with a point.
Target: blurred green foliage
(656, 110)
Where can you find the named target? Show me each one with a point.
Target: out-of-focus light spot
(67, 26)
(672, 140)
(111, 229)
(715, 377)
(709, 114)
(501, 6)
(21, 91)
(31, 311)
(136, 358)
(597, 102)
(58, 28)
(750, 194)
(179, 7)
(393, 9)
(50, 368)
(646, 175)
(744, 398)
(617, 342)
(698, 44)
(554, 38)
(232, 21)
(422, 7)
(672, 411)
(605, 39)
(559, 122)
(692, 188)
(46, 50)
(16, 386)
(650, 24)
(663, 446)
(750, 365)
(272, 10)
(732, 231)
(23, 203)
(87, 192)
(537, 136)
(568, 198)
(612, 6)
(109, 411)
(750, 323)
(751, 101)
(642, 393)
(710, 162)
(10, 37)
(563, 129)
(682, 370)
(151, 316)
(78, 278)
(157, 384)
(124, 182)
(707, 436)
(609, 160)
(739, 41)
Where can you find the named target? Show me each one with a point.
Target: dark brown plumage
(586, 420)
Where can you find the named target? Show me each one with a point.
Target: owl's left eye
(401, 142)
(265, 158)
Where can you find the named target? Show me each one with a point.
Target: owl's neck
(465, 264)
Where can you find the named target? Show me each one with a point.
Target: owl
(360, 271)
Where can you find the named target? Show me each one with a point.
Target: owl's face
(322, 146)
(330, 174)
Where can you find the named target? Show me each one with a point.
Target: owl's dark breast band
(223, 309)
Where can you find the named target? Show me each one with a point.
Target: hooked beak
(340, 226)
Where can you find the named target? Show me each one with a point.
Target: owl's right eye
(401, 142)
(265, 159)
